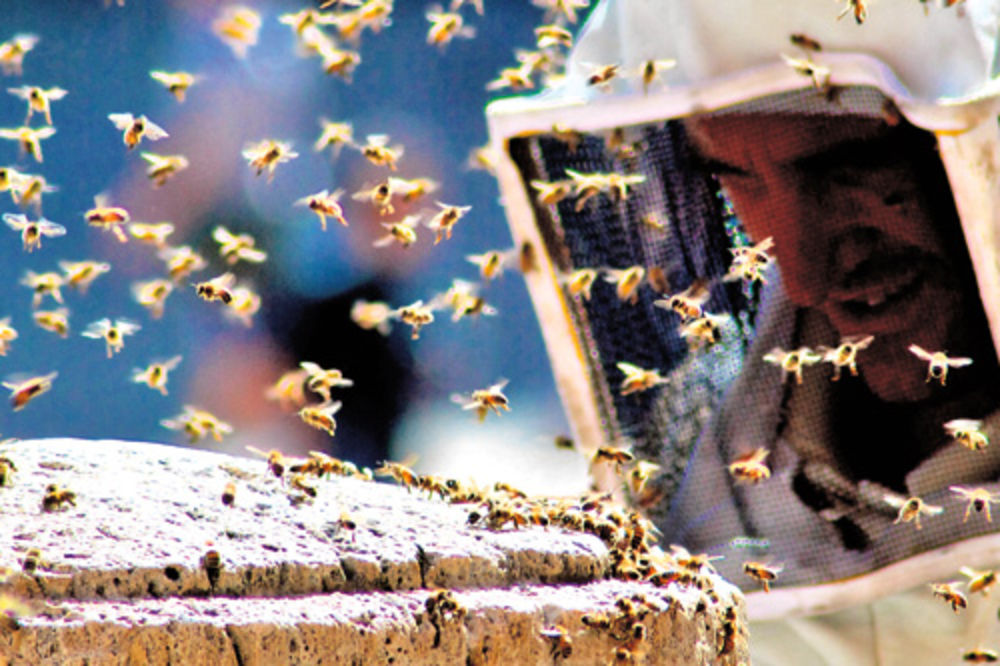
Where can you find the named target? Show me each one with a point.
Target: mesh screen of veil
(867, 260)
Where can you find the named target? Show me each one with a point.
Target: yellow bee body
(321, 416)
(155, 374)
(949, 593)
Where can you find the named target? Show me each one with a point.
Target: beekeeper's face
(865, 231)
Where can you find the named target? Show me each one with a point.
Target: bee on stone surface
(688, 303)
(939, 362)
(979, 581)
(484, 400)
(196, 423)
(218, 288)
(968, 433)
(638, 379)
(244, 305)
(627, 282)
(910, 509)
(276, 462)
(857, 7)
(154, 234)
(444, 221)
(236, 247)
(347, 524)
(237, 26)
(371, 315)
(176, 83)
(29, 140)
(791, 362)
(321, 380)
(818, 74)
(43, 284)
(38, 100)
(22, 391)
(81, 274)
(12, 53)
(325, 203)
(229, 494)
(181, 261)
(400, 473)
(750, 467)
(56, 498)
(163, 167)
(553, 35)
(152, 295)
(211, 561)
(560, 643)
(551, 193)
(978, 499)
(7, 335)
(267, 154)
(32, 232)
(334, 135)
(845, 354)
(56, 321)
(580, 282)
(155, 374)
(113, 334)
(980, 656)
(136, 129)
(948, 592)
(613, 455)
(762, 573)
(378, 152)
(446, 26)
(109, 218)
(298, 482)
(416, 314)
(379, 195)
(403, 232)
(442, 605)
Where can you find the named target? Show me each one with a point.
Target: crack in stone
(236, 647)
(423, 563)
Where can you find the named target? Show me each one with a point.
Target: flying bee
(910, 509)
(339, 62)
(491, 263)
(580, 282)
(949, 593)
(56, 497)
(551, 193)
(856, 7)
(968, 433)
(444, 221)
(244, 305)
(378, 152)
(267, 154)
(32, 232)
(237, 26)
(818, 74)
(276, 462)
(980, 656)
(324, 203)
(750, 467)
(22, 391)
(650, 71)
(379, 195)
(515, 78)
(372, 315)
(218, 288)
(181, 261)
(335, 136)
(29, 190)
(939, 362)
(81, 274)
(627, 282)
(154, 234)
(484, 400)
(791, 362)
(586, 186)
(482, 158)
(155, 374)
(109, 218)
(412, 189)
(321, 380)
(464, 300)
(289, 390)
(762, 573)
(321, 416)
(11, 180)
(400, 473)
(613, 455)
(476, 4)
(703, 331)
(38, 100)
(176, 83)
(29, 140)
(845, 354)
(12, 53)
(229, 494)
(163, 167)
(688, 303)
(7, 335)
(553, 35)
(561, 645)
(56, 321)
(565, 9)
(152, 294)
(978, 499)
(749, 262)
(601, 75)
(416, 314)
(197, 423)
(805, 42)
(43, 284)
(113, 334)
(135, 129)
(402, 232)
(979, 581)
(236, 247)
(638, 379)
(445, 26)
(639, 475)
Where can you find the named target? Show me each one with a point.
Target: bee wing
(377, 140)
(127, 327)
(21, 92)
(44, 133)
(97, 329)
(776, 355)
(226, 280)
(121, 120)
(7, 133)
(959, 490)
(920, 352)
(51, 229)
(16, 221)
(629, 369)
(172, 362)
(895, 501)
(56, 93)
(931, 509)
(154, 132)
(333, 408)
(463, 399)
(959, 361)
(499, 385)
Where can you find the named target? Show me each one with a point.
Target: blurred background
(430, 100)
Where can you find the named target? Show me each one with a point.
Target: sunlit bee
(856, 7)
(939, 362)
(12, 53)
(749, 262)
(980, 655)
(325, 203)
(638, 379)
(275, 460)
(339, 62)
(109, 218)
(321, 380)
(565, 9)
(536, 62)
(979, 581)
(334, 135)
(601, 75)
(549, 194)
(588, 185)
(7, 335)
(43, 284)
(163, 167)
(236, 247)
(818, 74)
(482, 158)
(399, 472)
(196, 423)
(33, 231)
(11, 180)
(491, 263)
(289, 391)
(81, 274)
(56, 321)
(245, 304)
(237, 26)
(155, 374)
(705, 330)
(29, 190)
(30, 140)
(626, 281)
(378, 152)
(762, 573)
(515, 78)
(464, 300)
(403, 232)
(412, 189)
(321, 416)
(416, 315)
(218, 288)
(805, 42)
(444, 221)
(299, 21)
(374, 14)
(38, 100)
(136, 129)
(950, 594)
(181, 261)
(153, 233)
(910, 509)
(560, 641)
(553, 35)
(379, 196)
(978, 499)
(580, 282)
(845, 354)
(152, 295)
(484, 400)
(968, 433)
(791, 362)
(23, 391)
(372, 315)
(689, 303)
(750, 467)
(457, 4)
(445, 26)
(639, 475)
(614, 455)
(113, 333)
(268, 154)
(176, 83)
(650, 71)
